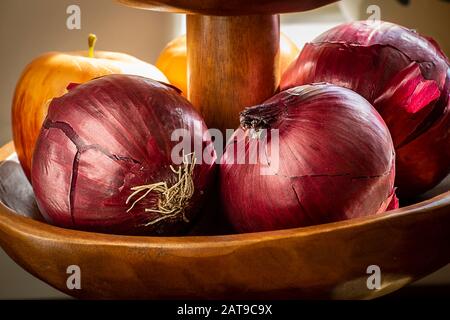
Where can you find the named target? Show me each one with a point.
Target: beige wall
(31, 27)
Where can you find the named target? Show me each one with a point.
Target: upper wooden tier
(228, 7)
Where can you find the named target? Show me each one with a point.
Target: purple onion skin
(336, 162)
(101, 139)
(405, 76)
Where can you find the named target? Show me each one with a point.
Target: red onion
(335, 161)
(405, 76)
(103, 159)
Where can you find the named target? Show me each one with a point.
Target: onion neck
(92, 39)
(262, 116)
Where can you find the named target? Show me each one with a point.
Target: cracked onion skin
(407, 79)
(47, 77)
(104, 137)
(336, 161)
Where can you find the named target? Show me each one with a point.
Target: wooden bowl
(326, 261)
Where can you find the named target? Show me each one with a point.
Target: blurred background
(30, 27)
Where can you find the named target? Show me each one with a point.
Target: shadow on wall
(30, 28)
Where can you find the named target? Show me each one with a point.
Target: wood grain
(233, 62)
(325, 261)
(228, 7)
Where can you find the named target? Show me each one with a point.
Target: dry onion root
(172, 200)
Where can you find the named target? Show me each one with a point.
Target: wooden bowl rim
(29, 226)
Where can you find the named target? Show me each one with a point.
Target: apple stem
(91, 41)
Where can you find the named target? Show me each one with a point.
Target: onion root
(172, 200)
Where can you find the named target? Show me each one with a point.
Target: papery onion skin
(104, 137)
(47, 77)
(336, 162)
(405, 76)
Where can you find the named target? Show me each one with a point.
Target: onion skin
(336, 162)
(407, 79)
(47, 77)
(101, 139)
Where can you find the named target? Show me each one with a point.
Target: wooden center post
(233, 51)
(233, 63)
